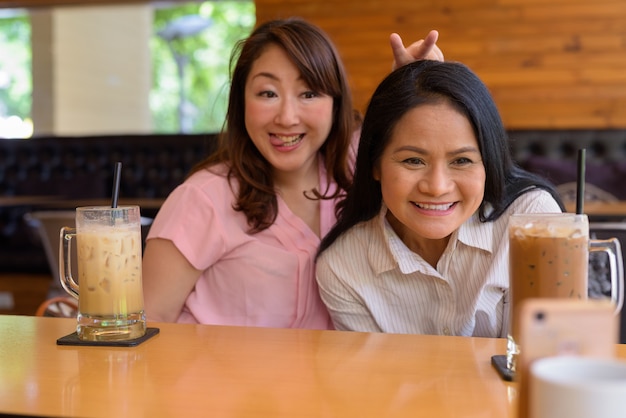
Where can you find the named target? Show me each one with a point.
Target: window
(15, 80)
(189, 74)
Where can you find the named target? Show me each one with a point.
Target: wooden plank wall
(549, 63)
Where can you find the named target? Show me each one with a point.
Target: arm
(168, 279)
(423, 49)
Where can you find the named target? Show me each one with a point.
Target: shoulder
(354, 244)
(535, 200)
(216, 176)
(199, 214)
(211, 184)
(358, 235)
(204, 194)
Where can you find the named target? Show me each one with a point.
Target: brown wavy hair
(318, 61)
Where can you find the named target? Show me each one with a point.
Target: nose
(288, 112)
(436, 181)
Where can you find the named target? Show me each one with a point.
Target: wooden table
(145, 203)
(65, 203)
(199, 370)
(24, 200)
(609, 209)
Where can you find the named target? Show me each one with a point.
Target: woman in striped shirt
(421, 242)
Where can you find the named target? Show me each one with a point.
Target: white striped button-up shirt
(371, 281)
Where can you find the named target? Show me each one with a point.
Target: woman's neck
(430, 250)
(304, 179)
(292, 188)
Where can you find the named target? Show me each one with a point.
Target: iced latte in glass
(109, 287)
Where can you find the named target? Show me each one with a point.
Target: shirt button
(446, 331)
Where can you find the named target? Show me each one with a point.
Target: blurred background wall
(548, 63)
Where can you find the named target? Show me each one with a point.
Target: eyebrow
(270, 76)
(419, 150)
(265, 74)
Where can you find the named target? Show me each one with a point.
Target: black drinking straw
(116, 183)
(580, 182)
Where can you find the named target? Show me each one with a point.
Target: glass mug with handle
(109, 287)
(549, 258)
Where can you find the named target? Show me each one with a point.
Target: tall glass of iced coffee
(109, 286)
(548, 257)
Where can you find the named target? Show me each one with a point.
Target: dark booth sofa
(48, 173)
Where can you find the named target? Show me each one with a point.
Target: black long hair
(428, 82)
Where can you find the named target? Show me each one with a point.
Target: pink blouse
(265, 279)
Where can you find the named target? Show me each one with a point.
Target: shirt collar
(388, 252)
(380, 252)
(475, 233)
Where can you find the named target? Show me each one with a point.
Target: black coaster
(499, 363)
(72, 339)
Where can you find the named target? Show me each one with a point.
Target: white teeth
(434, 207)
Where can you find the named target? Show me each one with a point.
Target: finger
(430, 42)
(434, 54)
(400, 54)
(431, 39)
(426, 48)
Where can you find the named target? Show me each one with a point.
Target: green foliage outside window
(206, 77)
(15, 80)
(207, 73)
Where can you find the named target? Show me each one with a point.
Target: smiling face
(287, 120)
(431, 174)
